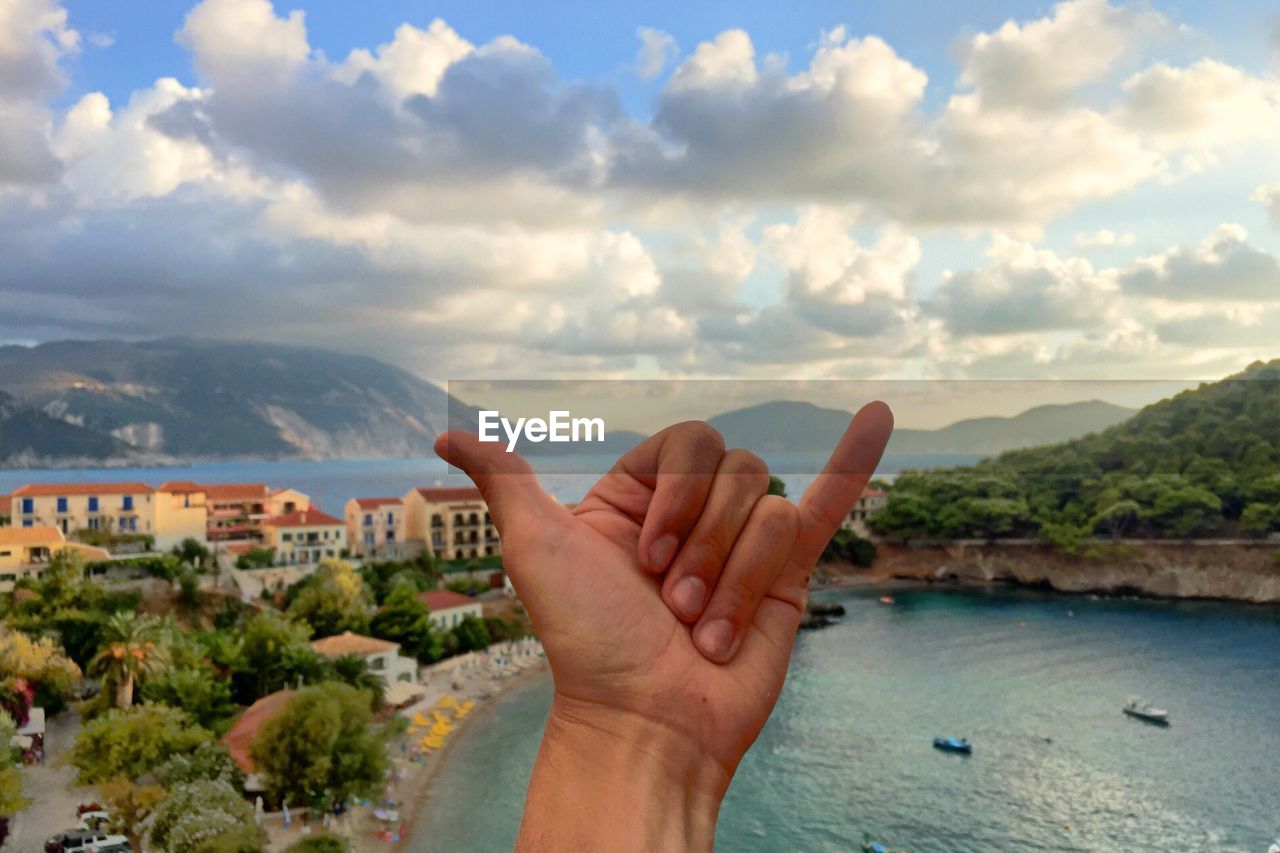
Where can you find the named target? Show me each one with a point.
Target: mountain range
(85, 402)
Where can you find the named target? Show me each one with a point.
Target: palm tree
(130, 653)
(354, 670)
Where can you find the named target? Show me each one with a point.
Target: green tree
(848, 545)
(191, 552)
(129, 804)
(195, 813)
(1259, 519)
(1118, 518)
(131, 654)
(404, 619)
(266, 637)
(131, 742)
(319, 844)
(12, 800)
(43, 665)
(472, 634)
(207, 761)
(334, 600)
(322, 747)
(257, 558)
(776, 486)
(354, 670)
(206, 699)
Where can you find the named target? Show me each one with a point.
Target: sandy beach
(467, 682)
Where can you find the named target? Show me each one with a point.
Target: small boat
(952, 744)
(1144, 711)
(886, 599)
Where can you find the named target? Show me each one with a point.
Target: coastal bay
(1035, 680)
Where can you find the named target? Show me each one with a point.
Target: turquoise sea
(1035, 680)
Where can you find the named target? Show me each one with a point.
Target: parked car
(87, 841)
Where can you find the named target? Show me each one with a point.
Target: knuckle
(701, 436)
(778, 517)
(748, 465)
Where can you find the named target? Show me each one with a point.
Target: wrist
(611, 779)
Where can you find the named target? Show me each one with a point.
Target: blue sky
(1087, 189)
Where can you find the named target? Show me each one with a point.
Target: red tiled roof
(871, 493)
(348, 643)
(443, 599)
(438, 495)
(180, 487)
(235, 491)
(36, 490)
(374, 503)
(241, 735)
(310, 517)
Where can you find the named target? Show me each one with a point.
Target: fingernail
(687, 595)
(661, 551)
(715, 639)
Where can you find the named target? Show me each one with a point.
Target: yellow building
(375, 527)
(112, 507)
(305, 537)
(453, 523)
(26, 551)
(238, 512)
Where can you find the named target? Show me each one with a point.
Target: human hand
(658, 694)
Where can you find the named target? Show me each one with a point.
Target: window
(7, 578)
(6, 553)
(391, 518)
(186, 502)
(391, 536)
(26, 522)
(377, 664)
(368, 537)
(127, 503)
(93, 504)
(368, 519)
(93, 523)
(286, 537)
(62, 504)
(28, 505)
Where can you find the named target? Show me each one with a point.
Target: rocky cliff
(1236, 572)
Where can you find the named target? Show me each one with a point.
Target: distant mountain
(784, 426)
(208, 399)
(29, 437)
(1040, 425)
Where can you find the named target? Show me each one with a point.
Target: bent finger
(740, 481)
(679, 464)
(761, 552)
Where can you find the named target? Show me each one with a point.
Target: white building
(305, 537)
(382, 657)
(870, 502)
(449, 608)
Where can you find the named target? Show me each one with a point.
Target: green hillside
(1203, 463)
(28, 436)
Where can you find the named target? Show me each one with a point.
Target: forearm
(606, 780)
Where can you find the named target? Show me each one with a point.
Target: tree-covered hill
(1205, 462)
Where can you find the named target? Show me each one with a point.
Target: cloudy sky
(1085, 190)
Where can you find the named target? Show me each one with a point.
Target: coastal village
(440, 636)
(402, 598)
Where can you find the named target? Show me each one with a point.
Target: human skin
(660, 688)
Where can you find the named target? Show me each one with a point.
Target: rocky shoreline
(1242, 572)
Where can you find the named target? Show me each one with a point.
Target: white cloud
(1224, 267)
(1039, 65)
(658, 50)
(1269, 197)
(412, 63)
(1105, 238)
(1022, 289)
(1206, 105)
(775, 213)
